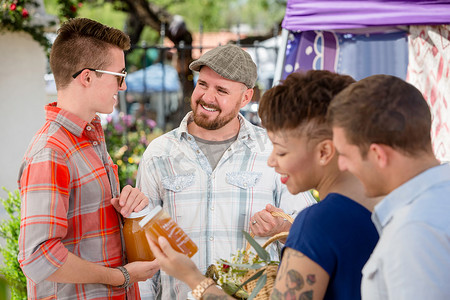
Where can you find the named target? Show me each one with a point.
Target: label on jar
(158, 223)
(176, 233)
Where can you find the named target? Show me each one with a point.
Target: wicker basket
(270, 270)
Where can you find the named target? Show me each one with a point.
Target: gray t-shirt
(214, 150)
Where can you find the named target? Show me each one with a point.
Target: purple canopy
(346, 14)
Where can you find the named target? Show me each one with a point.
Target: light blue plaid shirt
(213, 206)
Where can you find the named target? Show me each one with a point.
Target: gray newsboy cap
(230, 62)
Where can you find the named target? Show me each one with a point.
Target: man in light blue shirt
(381, 129)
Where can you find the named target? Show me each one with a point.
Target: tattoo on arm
(294, 280)
(311, 279)
(292, 283)
(288, 255)
(276, 295)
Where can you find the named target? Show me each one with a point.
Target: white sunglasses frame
(123, 75)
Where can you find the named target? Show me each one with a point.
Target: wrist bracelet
(127, 277)
(201, 287)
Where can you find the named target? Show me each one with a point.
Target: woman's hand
(174, 263)
(180, 266)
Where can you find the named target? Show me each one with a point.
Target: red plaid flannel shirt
(66, 181)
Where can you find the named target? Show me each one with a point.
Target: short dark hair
(301, 102)
(383, 109)
(82, 43)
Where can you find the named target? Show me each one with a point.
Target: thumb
(271, 208)
(165, 246)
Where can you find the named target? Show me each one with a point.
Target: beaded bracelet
(201, 288)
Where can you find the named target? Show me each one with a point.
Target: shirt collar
(68, 120)
(246, 133)
(407, 193)
(182, 131)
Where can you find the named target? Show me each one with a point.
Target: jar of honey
(136, 244)
(158, 223)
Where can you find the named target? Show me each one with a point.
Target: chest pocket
(177, 183)
(243, 180)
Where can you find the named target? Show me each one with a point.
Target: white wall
(22, 100)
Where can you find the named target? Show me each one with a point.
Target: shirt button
(88, 128)
(198, 151)
(245, 185)
(229, 149)
(211, 238)
(189, 138)
(212, 208)
(177, 187)
(95, 143)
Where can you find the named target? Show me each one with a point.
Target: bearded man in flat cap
(211, 175)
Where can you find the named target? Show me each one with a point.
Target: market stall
(407, 39)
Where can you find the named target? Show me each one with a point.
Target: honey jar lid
(150, 215)
(140, 213)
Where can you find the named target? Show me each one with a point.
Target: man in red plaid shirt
(70, 243)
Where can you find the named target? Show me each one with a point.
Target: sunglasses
(120, 76)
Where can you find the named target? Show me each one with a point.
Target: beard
(204, 121)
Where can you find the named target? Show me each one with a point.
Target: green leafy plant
(3, 288)
(9, 230)
(230, 275)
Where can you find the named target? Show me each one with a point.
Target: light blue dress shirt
(412, 257)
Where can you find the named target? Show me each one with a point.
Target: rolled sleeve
(44, 186)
